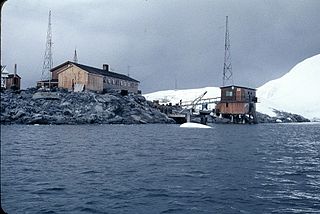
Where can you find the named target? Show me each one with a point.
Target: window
(229, 93)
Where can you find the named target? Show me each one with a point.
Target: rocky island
(62, 107)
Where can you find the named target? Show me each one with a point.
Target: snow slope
(174, 96)
(295, 92)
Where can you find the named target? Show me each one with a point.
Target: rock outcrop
(61, 107)
(281, 117)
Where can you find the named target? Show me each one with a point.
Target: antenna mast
(227, 67)
(48, 61)
(75, 57)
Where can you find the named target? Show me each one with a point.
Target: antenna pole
(75, 57)
(227, 67)
(48, 61)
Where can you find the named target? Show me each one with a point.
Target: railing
(213, 100)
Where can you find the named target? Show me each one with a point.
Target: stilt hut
(237, 104)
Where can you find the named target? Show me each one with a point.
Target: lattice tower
(48, 60)
(227, 67)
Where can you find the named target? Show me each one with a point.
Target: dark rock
(19, 114)
(35, 107)
(38, 120)
(67, 112)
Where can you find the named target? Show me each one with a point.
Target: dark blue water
(272, 168)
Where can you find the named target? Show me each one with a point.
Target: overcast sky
(164, 40)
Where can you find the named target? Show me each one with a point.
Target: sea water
(264, 168)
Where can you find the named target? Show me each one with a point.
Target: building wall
(233, 108)
(95, 82)
(70, 76)
(119, 84)
(13, 82)
(54, 74)
(237, 94)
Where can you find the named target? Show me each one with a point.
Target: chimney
(105, 67)
(15, 70)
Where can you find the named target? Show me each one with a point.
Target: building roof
(98, 71)
(236, 86)
(12, 75)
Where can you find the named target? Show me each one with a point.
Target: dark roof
(12, 75)
(236, 86)
(98, 71)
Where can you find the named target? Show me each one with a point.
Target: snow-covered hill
(296, 92)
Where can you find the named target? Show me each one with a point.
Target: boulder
(19, 114)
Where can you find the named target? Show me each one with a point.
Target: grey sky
(164, 40)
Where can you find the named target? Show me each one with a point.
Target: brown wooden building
(237, 103)
(74, 76)
(13, 81)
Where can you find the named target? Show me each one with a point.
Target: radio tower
(227, 67)
(48, 61)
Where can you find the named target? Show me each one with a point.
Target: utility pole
(1, 4)
(227, 67)
(48, 61)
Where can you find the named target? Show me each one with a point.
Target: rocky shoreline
(281, 117)
(61, 107)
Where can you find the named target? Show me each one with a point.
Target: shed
(237, 103)
(13, 81)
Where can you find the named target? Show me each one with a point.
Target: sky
(165, 44)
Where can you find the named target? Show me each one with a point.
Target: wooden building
(238, 104)
(13, 81)
(78, 77)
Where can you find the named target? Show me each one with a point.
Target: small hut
(11, 81)
(237, 104)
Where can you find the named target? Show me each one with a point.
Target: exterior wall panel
(233, 108)
(70, 76)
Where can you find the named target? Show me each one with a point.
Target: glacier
(295, 92)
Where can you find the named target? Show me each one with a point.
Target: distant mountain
(296, 92)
